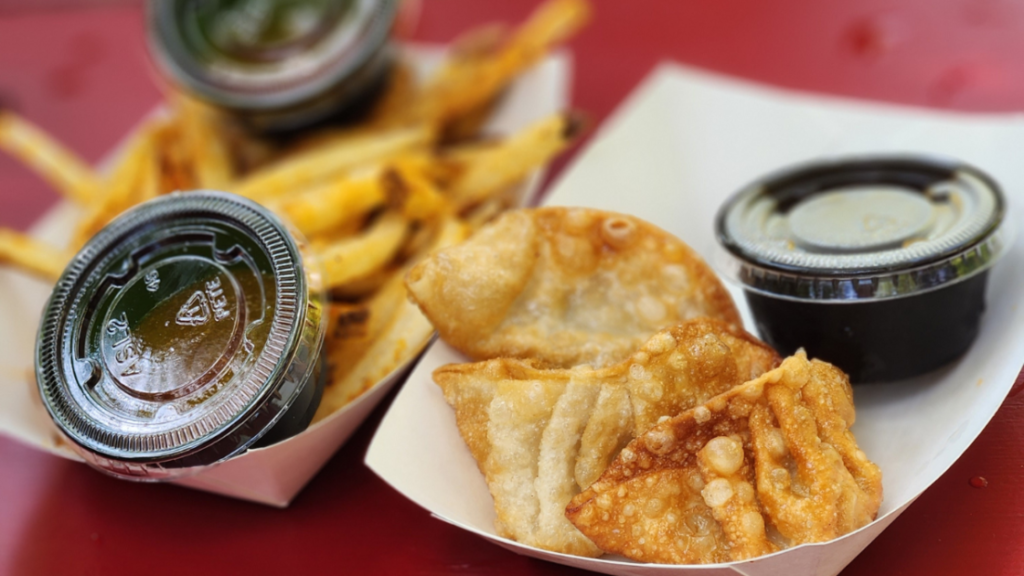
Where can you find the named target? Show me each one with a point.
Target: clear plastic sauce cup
(185, 332)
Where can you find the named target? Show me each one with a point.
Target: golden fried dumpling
(767, 465)
(564, 286)
(541, 435)
(675, 370)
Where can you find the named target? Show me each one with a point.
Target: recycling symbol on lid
(195, 312)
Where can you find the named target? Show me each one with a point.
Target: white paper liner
(675, 150)
(271, 475)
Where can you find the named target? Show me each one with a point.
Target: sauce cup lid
(179, 335)
(258, 56)
(862, 228)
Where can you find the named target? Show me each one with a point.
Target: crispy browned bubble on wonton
(541, 435)
(767, 465)
(565, 286)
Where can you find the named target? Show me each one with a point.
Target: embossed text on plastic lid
(872, 227)
(181, 334)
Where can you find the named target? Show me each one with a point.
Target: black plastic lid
(864, 227)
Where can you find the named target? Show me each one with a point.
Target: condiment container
(186, 331)
(277, 66)
(876, 264)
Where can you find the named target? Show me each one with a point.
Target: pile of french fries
(371, 198)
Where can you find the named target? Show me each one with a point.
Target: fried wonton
(565, 286)
(541, 435)
(767, 465)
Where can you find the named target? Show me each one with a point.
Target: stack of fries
(371, 198)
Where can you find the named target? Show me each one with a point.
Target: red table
(82, 74)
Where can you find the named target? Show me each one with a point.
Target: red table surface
(82, 74)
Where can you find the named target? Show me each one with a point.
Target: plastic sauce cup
(185, 332)
(877, 264)
(276, 66)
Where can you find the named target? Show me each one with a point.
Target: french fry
(403, 336)
(208, 153)
(411, 192)
(346, 321)
(550, 24)
(172, 159)
(488, 170)
(353, 258)
(335, 205)
(344, 354)
(420, 236)
(469, 81)
(65, 171)
(380, 309)
(469, 124)
(248, 153)
(468, 49)
(364, 286)
(126, 185)
(398, 98)
(344, 154)
(478, 43)
(340, 204)
(148, 177)
(31, 255)
(484, 212)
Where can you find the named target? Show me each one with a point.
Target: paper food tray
(679, 146)
(272, 475)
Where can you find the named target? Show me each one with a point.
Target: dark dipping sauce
(187, 331)
(878, 265)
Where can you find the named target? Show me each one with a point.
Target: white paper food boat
(681, 144)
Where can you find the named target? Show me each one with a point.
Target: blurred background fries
(371, 197)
